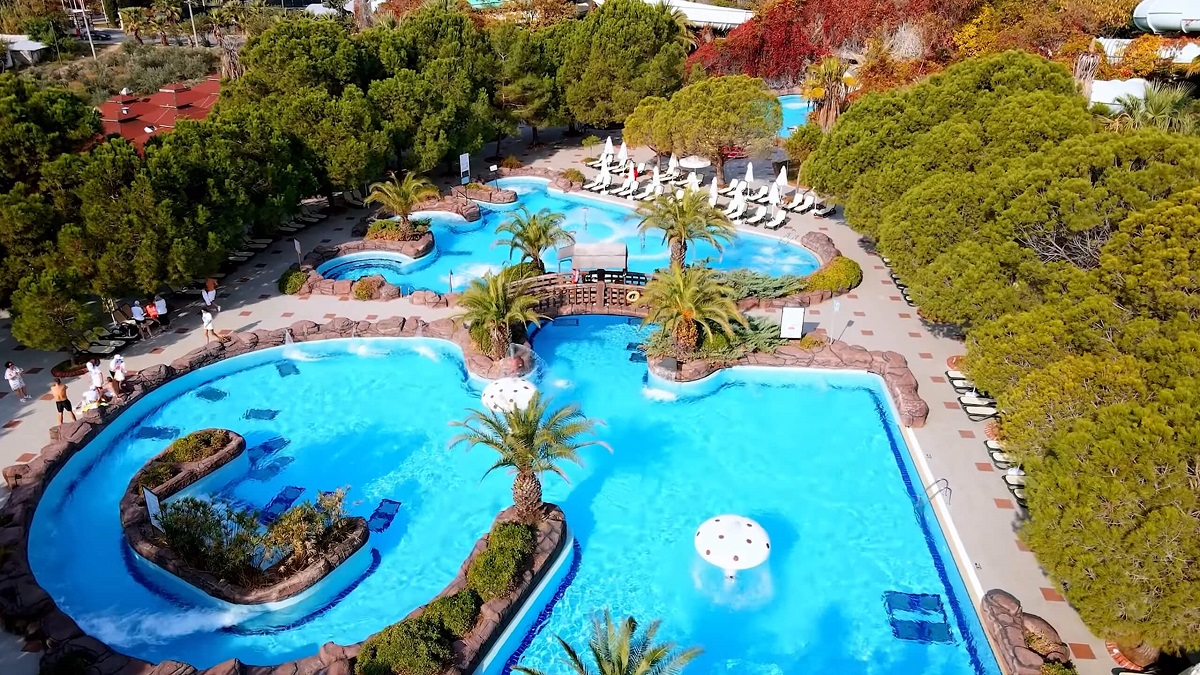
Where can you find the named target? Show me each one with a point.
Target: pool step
(211, 394)
(918, 617)
(383, 516)
(566, 322)
(260, 414)
(282, 502)
(286, 368)
(267, 448)
(637, 357)
(156, 433)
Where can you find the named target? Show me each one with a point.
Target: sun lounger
(761, 194)
(993, 445)
(251, 246)
(731, 188)
(824, 211)
(1019, 495)
(760, 214)
(353, 198)
(593, 183)
(658, 190)
(237, 259)
(778, 221)
(737, 211)
(1014, 482)
(313, 213)
(263, 241)
(646, 192)
(797, 200)
(956, 375)
(975, 400)
(93, 350)
(978, 413)
(629, 189)
(712, 201)
(1002, 460)
(302, 217)
(287, 229)
(806, 204)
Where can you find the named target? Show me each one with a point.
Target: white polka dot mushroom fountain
(732, 543)
(508, 394)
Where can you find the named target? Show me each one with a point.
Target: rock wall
(487, 194)
(836, 355)
(144, 538)
(319, 285)
(555, 177)
(28, 611)
(1006, 624)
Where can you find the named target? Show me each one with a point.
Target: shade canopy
(673, 163)
(773, 195)
(781, 179)
(732, 542)
(712, 188)
(508, 394)
(694, 162)
(608, 146)
(749, 172)
(600, 256)
(623, 153)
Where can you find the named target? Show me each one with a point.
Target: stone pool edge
(139, 534)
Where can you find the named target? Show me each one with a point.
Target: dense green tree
(27, 230)
(48, 313)
(38, 124)
(718, 115)
(621, 53)
(300, 53)
(650, 125)
(526, 91)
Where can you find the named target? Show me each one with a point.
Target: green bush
(1056, 668)
(196, 446)
(365, 289)
(590, 140)
(214, 538)
(841, 274)
(511, 162)
(395, 230)
(751, 284)
(456, 613)
(417, 646)
(157, 474)
(495, 571)
(574, 175)
(801, 144)
(291, 280)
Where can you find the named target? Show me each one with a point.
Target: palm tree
(621, 651)
(827, 85)
(135, 21)
(530, 441)
(491, 305)
(686, 301)
(1169, 107)
(534, 234)
(399, 197)
(686, 220)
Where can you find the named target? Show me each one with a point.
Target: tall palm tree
(1169, 107)
(135, 20)
(827, 85)
(399, 197)
(491, 305)
(533, 234)
(620, 650)
(530, 441)
(686, 301)
(683, 221)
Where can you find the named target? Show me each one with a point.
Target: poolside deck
(873, 316)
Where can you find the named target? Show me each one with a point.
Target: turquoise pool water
(816, 458)
(795, 113)
(469, 250)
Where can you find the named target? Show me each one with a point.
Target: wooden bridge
(598, 292)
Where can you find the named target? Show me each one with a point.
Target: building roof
(137, 118)
(700, 14)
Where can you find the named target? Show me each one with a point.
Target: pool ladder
(938, 486)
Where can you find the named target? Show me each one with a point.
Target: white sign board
(464, 167)
(153, 507)
(791, 325)
(297, 243)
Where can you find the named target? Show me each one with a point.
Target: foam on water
(655, 394)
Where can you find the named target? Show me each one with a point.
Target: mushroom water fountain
(508, 394)
(733, 543)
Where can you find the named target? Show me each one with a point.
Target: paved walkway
(874, 316)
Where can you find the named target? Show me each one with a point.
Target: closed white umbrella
(655, 179)
(712, 188)
(508, 394)
(693, 181)
(608, 146)
(623, 153)
(749, 172)
(773, 197)
(781, 180)
(673, 164)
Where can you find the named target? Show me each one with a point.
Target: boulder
(821, 246)
(389, 292)
(269, 338)
(441, 328)
(230, 667)
(15, 474)
(324, 287)
(390, 327)
(342, 287)
(303, 328)
(340, 325)
(173, 668)
(153, 376)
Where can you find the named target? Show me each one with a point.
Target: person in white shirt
(209, 294)
(16, 381)
(96, 372)
(164, 316)
(206, 321)
(117, 370)
(139, 317)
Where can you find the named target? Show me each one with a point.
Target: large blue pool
(468, 250)
(859, 581)
(795, 113)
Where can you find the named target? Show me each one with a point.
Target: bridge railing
(558, 295)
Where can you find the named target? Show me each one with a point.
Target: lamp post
(192, 17)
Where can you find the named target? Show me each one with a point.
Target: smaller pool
(392, 266)
(795, 113)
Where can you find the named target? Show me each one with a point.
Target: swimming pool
(467, 251)
(815, 457)
(795, 113)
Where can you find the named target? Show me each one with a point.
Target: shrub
(511, 162)
(214, 538)
(157, 474)
(366, 288)
(590, 140)
(395, 230)
(196, 446)
(298, 530)
(475, 186)
(574, 175)
(456, 613)
(841, 274)
(291, 280)
(750, 284)
(1056, 668)
(811, 341)
(801, 144)
(417, 646)
(494, 572)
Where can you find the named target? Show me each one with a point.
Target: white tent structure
(508, 394)
(1107, 92)
(699, 14)
(1167, 16)
(600, 256)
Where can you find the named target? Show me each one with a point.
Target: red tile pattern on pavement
(950, 405)
(1004, 504)
(26, 457)
(288, 315)
(814, 312)
(912, 334)
(32, 371)
(343, 298)
(938, 379)
(1052, 595)
(868, 333)
(966, 433)
(925, 355)
(13, 424)
(985, 467)
(46, 397)
(852, 296)
(331, 316)
(1081, 651)
(372, 317)
(880, 267)
(895, 298)
(157, 350)
(857, 313)
(905, 315)
(245, 313)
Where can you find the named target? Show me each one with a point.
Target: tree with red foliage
(775, 45)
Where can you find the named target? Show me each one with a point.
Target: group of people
(104, 389)
(154, 313)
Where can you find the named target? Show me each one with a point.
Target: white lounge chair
(738, 209)
(975, 400)
(628, 190)
(622, 187)
(760, 214)
(605, 181)
(313, 213)
(956, 375)
(712, 201)
(797, 199)
(979, 413)
(824, 211)
(646, 192)
(1002, 460)
(305, 218)
(1015, 481)
(254, 246)
(593, 183)
(778, 221)
(993, 446)
(761, 194)
(731, 188)
(805, 204)
(732, 206)
(655, 194)
(1019, 495)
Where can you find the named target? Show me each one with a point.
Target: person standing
(16, 380)
(139, 317)
(96, 372)
(117, 370)
(206, 321)
(209, 294)
(59, 391)
(164, 315)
